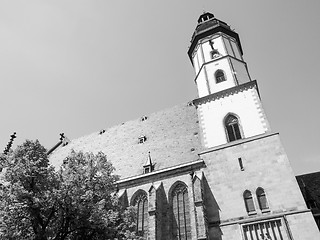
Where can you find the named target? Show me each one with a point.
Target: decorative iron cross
(211, 44)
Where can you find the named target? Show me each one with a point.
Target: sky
(81, 66)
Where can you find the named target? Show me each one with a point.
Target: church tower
(249, 189)
(211, 168)
(227, 95)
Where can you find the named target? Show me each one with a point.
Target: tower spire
(226, 92)
(216, 55)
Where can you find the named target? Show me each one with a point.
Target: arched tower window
(181, 212)
(262, 199)
(140, 200)
(219, 76)
(232, 127)
(248, 201)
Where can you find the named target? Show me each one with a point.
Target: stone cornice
(225, 93)
(215, 60)
(162, 173)
(238, 142)
(255, 218)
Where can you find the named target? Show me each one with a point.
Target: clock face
(215, 54)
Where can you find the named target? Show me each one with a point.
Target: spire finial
(149, 158)
(7, 149)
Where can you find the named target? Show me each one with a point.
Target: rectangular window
(145, 218)
(142, 139)
(240, 164)
(230, 134)
(250, 205)
(263, 202)
(146, 169)
(181, 215)
(140, 217)
(237, 131)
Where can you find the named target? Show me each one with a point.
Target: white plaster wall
(224, 65)
(196, 63)
(243, 104)
(236, 49)
(240, 71)
(200, 55)
(202, 84)
(197, 59)
(228, 46)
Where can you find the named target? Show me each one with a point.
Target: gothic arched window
(248, 201)
(219, 76)
(232, 127)
(181, 212)
(262, 199)
(141, 203)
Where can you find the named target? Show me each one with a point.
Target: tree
(27, 204)
(89, 207)
(77, 202)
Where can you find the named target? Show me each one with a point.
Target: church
(210, 168)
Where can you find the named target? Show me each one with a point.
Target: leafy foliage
(27, 202)
(78, 202)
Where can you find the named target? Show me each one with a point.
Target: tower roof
(205, 16)
(208, 25)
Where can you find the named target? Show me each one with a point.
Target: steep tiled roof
(172, 137)
(310, 186)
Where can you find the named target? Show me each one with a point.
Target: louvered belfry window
(220, 77)
(268, 230)
(262, 199)
(248, 200)
(181, 213)
(141, 202)
(232, 127)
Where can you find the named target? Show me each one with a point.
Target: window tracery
(232, 128)
(181, 212)
(141, 203)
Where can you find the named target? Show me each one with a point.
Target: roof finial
(7, 149)
(149, 158)
(203, 8)
(63, 140)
